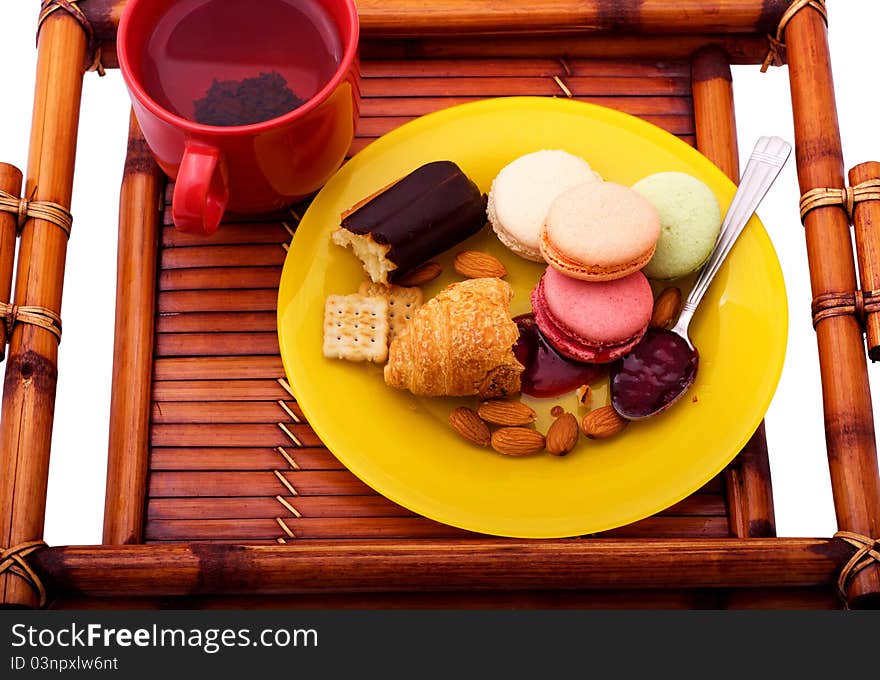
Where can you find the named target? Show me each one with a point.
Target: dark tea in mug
(212, 63)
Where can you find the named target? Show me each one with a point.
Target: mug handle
(201, 191)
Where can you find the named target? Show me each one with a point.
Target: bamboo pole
(139, 216)
(849, 422)
(750, 482)
(866, 221)
(742, 48)
(460, 17)
(403, 17)
(31, 371)
(749, 490)
(178, 569)
(103, 16)
(10, 182)
(713, 110)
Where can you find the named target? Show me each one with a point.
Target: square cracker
(402, 302)
(356, 327)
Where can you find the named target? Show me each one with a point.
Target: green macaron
(690, 220)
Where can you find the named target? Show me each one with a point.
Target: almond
(506, 412)
(517, 441)
(563, 435)
(476, 265)
(421, 275)
(666, 308)
(468, 424)
(603, 422)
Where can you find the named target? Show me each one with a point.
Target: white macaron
(522, 192)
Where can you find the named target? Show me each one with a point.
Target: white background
(79, 448)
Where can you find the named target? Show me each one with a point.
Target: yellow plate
(401, 445)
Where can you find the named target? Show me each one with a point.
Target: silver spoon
(661, 368)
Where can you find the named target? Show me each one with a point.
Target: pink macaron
(592, 321)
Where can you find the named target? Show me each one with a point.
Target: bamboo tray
(220, 494)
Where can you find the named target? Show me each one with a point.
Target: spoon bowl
(654, 375)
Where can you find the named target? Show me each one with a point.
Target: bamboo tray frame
(715, 550)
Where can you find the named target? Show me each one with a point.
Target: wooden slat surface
(209, 368)
(210, 278)
(174, 389)
(268, 507)
(238, 483)
(248, 232)
(518, 67)
(361, 142)
(216, 322)
(376, 127)
(261, 255)
(207, 458)
(224, 300)
(223, 411)
(247, 530)
(418, 106)
(214, 344)
(231, 434)
(218, 459)
(649, 85)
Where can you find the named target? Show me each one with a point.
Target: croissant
(459, 343)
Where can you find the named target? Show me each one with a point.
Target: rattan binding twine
(846, 198)
(858, 303)
(49, 7)
(776, 52)
(31, 314)
(13, 560)
(867, 553)
(24, 209)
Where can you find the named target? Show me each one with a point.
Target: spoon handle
(768, 157)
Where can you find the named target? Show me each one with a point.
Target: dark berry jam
(653, 375)
(548, 373)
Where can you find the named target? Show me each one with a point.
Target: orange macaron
(599, 232)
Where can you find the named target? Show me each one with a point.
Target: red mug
(248, 169)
